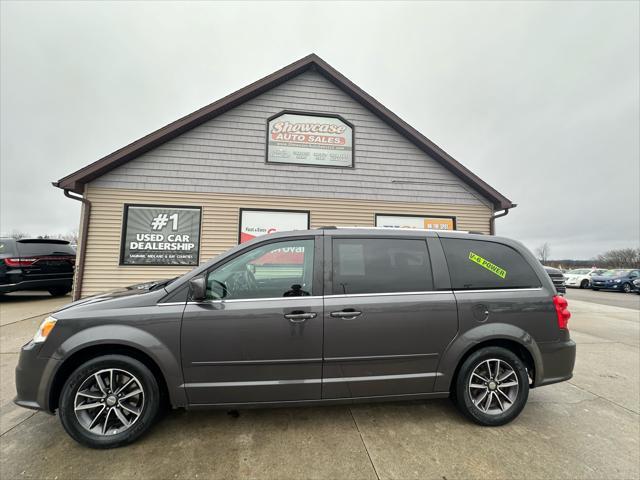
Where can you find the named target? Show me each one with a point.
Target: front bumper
(558, 360)
(33, 378)
(607, 286)
(36, 284)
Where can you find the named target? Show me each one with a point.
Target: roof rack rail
(334, 227)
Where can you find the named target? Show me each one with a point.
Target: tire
(59, 291)
(595, 289)
(468, 393)
(626, 288)
(584, 284)
(125, 369)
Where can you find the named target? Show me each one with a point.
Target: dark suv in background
(328, 316)
(36, 264)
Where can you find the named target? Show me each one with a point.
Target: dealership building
(301, 148)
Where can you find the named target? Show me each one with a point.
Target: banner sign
(408, 221)
(158, 235)
(254, 223)
(474, 257)
(310, 140)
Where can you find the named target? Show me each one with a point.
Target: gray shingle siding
(227, 155)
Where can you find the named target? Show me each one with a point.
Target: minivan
(326, 316)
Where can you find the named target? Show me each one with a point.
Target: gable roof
(76, 180)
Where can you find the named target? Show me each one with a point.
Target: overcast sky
(541, 100)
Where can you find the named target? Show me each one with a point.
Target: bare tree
(621, 258)
(71, 236)
(543, 252)
(17, 235)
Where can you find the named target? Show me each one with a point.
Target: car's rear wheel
(584, 284)
(109, 401)
(59, 291)
(492, 386)
(626, 288)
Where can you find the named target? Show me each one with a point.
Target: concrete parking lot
(586, 428)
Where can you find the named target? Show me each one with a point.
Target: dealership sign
(310, 140)
(158, 235)
(410, 221)
(254, 223)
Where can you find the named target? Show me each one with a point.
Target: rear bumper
(33, 377)
(36, 284)
(558, 360)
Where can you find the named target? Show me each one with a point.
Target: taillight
(19, 262)
(562, 312)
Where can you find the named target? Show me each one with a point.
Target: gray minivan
(334, 315)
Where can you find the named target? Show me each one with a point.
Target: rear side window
(7, 247)
(378, 265)
(475, 265)
(29, 249)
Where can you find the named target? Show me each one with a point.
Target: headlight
(44, 330)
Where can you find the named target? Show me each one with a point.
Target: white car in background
(581, 277)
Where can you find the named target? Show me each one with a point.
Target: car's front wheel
(492, 386)
(109, 401)
(626, 288)
(584, 284)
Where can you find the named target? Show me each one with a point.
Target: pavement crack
(25, 319)
(603, 398)
(363, 443)
(18, 424)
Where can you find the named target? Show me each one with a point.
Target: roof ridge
(76, 180)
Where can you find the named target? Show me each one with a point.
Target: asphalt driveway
(586, 428)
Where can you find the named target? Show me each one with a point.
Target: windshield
(576, 272)
(615, 273)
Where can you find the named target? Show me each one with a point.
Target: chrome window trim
(386, 294)
(268, 299)
(356, 295)
(494, 290)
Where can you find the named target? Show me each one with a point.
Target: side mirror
(198, 287)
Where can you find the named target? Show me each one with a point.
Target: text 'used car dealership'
(301, 148)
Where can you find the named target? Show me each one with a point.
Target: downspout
(84, 229)
(492, 220)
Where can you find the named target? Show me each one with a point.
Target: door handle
(346, 314)
(300, 317)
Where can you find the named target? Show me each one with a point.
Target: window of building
(379, 265)
(280, 269)
(476, 264)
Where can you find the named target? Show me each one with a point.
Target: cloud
(539, 99)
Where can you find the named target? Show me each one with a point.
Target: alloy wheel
(493, 386)
(109, 402)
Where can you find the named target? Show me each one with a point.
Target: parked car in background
(36, 264)
(557, 278)
(619, 279)
(312, 316)
(581, 277)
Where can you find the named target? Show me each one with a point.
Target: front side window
(379, 265)
(280, 269)
(477, 265)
